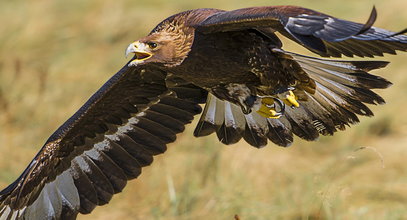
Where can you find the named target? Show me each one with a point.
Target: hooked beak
(140, 51)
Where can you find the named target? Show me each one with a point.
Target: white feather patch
(209, 113)
(82, 164)
(48, 209)
(67, 190)
(234, 116)
(53, 196)
(5, 213)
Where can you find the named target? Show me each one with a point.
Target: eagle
(234, 64)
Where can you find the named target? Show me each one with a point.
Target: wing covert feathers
(318, 32)
(342, 90)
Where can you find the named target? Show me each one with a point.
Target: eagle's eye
(152, 45)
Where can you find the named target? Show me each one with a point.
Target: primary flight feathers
(230, 60)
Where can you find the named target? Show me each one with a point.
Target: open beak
(140, 51)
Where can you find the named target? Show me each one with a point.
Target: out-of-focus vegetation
(55, 54)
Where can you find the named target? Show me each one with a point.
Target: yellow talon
(274, 107)
(291, 99)
(268, 112)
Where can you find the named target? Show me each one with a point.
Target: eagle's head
(168, 46)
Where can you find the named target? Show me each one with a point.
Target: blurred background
(54, 54)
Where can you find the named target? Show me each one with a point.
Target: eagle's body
(221, 65)
(234, 63)
(234, 57)
(215, 59)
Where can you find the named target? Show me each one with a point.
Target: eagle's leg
(267, 106)
(272, 107)
(287, 95)
(239, 94)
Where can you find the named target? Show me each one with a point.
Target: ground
(55, 54)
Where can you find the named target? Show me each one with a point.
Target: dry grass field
(54, 54)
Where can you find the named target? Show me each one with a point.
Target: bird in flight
(231, 61)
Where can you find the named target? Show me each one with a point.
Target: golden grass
(55, 54)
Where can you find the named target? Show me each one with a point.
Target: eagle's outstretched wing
(342, 89)
(107, 142)
(318, 32)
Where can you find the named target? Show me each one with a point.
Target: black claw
(246, 110)
(281, 105)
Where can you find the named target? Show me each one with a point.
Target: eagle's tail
(342, 88)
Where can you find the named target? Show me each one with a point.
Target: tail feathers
(212, 117)
(342, 90)
(280, 132)
(231, 125)
(234, 123)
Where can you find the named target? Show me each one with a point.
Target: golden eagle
(230, 60)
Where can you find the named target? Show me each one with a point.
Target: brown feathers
(228, 59)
